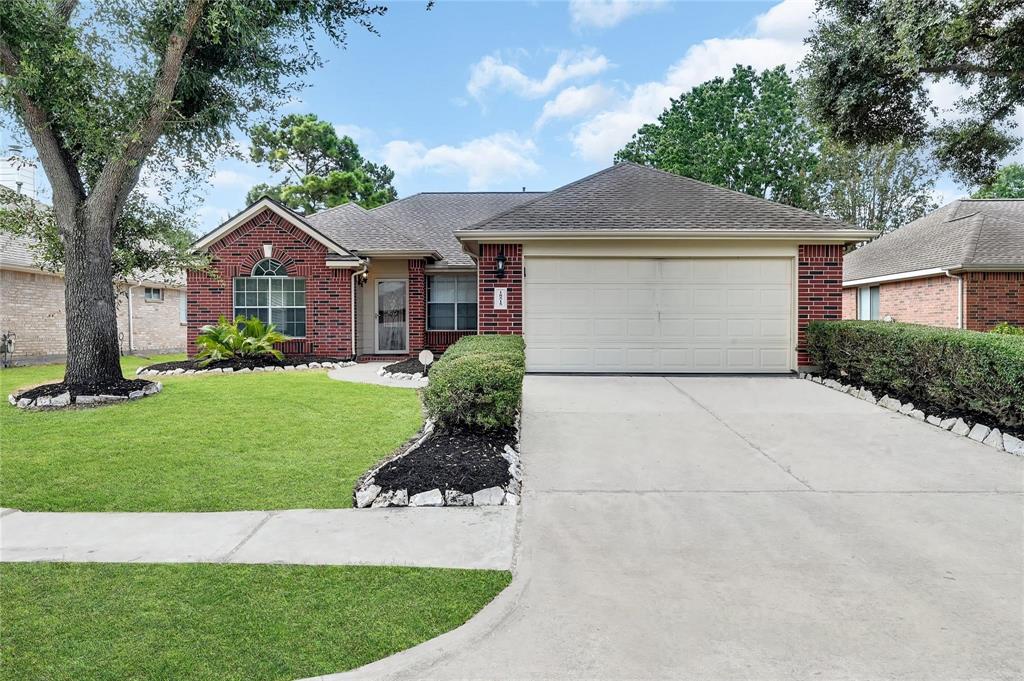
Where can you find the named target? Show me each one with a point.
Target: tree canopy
(324, 169)
(1007, 184)
(112, 89)
(870, 62)
(744, 132)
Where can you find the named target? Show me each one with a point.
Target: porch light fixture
(363, 277)
(499, 264)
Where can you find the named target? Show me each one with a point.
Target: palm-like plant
(241, 338)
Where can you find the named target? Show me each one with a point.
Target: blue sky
(501, 95)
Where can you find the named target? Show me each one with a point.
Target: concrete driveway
(746, 528)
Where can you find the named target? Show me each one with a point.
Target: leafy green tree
(324, 170)
(1007, 184)
(875, 187)
(869, 62)
(744, 132)
(113, 88)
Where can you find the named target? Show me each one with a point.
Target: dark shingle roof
(434, 217)
(628, 196)
(965, 233)
(359, 230)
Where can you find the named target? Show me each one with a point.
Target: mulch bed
(237, 363)
(408, 366)
(467, 461)
(120, 388)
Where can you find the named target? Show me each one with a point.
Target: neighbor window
(273, 297)
(154, 295)
(867, 302)
(451, 303)
(182, 307)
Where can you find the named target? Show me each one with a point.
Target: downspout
(959, 298)
(359, 272)
(131, 320)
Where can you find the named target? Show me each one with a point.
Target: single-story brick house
(961, 267)
(150, 309)
(629, 270)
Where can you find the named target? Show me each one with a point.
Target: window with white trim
(451, 303)
(868, 298)
(182, 307)
(273, 297)
(153, 295)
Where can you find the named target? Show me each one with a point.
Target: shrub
(1008, 329)
(242, 338)
(478, 383)
(957, 372)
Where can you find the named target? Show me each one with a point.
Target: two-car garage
(658, 315)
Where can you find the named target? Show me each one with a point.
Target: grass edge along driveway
(263, 441)
(223, 622)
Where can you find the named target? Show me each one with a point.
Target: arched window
(273, 297)
(268, 267)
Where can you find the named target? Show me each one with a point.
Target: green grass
(206, 443)
(221, 622)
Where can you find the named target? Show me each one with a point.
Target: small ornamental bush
(478, 383)
(1008, 329)
(957, 372)
(241, 338)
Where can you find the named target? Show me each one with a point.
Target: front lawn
(206, 443)
(219, 622)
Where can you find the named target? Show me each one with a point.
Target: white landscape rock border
(65, 400)
(369, 494)
(979, 432)
(402, 376)
(143, 371)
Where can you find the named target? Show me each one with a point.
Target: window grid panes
(451, 303)
(154, 294)
(269, 267)
(273, 300)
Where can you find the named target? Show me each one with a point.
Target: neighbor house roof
(631, 197)
(364, 233)
(964, 234)
(434, 217)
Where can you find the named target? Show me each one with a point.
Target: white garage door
(658, 315)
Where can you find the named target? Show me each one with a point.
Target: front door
(392, 325)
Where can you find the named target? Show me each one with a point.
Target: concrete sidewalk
(417, 537)
(366, 372)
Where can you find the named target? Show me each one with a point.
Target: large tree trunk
(91, 310)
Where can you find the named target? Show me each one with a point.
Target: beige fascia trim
(900, 276)
(344, 265)
(803, 236)
(451, 268)
(399, 254)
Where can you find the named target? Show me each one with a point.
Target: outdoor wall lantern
(364, 276)
(499, 263)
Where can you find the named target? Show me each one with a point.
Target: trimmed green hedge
(478, 383)
(958, 372)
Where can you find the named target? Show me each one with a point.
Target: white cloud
(777, 39)
(492, 72)
(608, 13)
(359, 134)
(225, 178)
(575, 101)
(485, 161)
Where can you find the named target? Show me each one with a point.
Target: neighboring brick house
(150, 312)
(961, 266)
(628, 270)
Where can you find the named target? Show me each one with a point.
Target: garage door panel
(658, 315)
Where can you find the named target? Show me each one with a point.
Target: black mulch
(408, 366)
(971, 417)
(120, 387)
(467, 461)
(241, 363)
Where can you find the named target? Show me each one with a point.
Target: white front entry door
(392, 331)
(637, 315)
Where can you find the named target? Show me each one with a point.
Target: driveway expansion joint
(252, 533)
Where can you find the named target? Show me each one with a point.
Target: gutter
(131, 320)
(820, 236)
(959, 298)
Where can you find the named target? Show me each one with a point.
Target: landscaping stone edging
(369, 494)
(66, 400)
(143, 371)
(400, 376)
(978, 432)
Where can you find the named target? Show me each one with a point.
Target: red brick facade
(819, 290)
(993, 297)
(328, 290)
(510, 320)
(417, 305)
(438, 341)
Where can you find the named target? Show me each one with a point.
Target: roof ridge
(553, 191)
(339, 206)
